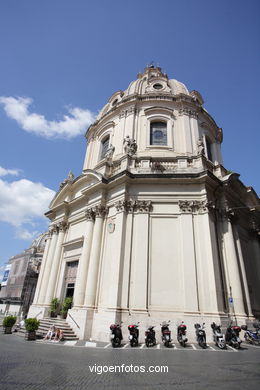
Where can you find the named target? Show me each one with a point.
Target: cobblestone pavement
(41, 365)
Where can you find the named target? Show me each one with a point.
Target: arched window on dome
(158, 133)
(208, 146)
(104, 147)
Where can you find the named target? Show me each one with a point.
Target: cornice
(73, 242)
(135, 98)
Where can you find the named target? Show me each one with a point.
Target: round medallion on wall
(110, 225)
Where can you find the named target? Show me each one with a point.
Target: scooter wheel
(221, 345)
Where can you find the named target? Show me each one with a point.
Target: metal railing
(74, 321)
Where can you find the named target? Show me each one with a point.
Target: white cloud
(4, 172)
(24, 234)
(23, 202)
(72, 125)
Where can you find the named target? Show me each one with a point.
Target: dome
(152, 81)
(39, 242)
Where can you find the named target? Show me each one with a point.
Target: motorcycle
(232, 336)
(218, 336)
(181, 334)
(133, 335)
(149, 337)
(166, 334)
(116, 335)
(250, 336)
(201, 335)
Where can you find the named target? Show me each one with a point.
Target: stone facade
(156, 226)
(17, 291)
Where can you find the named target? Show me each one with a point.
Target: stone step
(46, 323)
(58, 325)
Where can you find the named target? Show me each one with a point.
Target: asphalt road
(30, 365)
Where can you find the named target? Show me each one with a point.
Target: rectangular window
(158, 133)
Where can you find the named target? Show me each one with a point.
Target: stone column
(92, 277)
(43, 264)
(138, 289)
(231, 266)
(55, 264)
(48, 263)
(243, 271)
(80, 287)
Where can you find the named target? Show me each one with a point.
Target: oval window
(157, 86)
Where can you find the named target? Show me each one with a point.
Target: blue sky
(61, 60)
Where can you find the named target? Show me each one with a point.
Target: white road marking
(213, 349)
(70, 342)
(174, 346)
(193, 346)
(233, 349)
(142, 346)
(107, 345)
(90, 344)
(158, 346)
(125, 346)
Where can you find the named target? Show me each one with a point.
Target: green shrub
(67, 303)
(54, 305)
(9, 321)
(31, 324)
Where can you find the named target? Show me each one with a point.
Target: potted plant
(66, 305)
(31, 325)
(54, 307)
(8, 323)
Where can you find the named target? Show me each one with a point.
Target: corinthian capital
(53, 229)
(90, 215)
(193, 206)
(123, 205)
(100, 211)
(62, 226)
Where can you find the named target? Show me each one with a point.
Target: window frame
(165, 130)
(168, 120)
(102, 142)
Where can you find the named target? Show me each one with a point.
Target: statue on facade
(130, 146)
(109, 152)
(69, 179)
(200, 147)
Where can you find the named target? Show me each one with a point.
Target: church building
(155, 228)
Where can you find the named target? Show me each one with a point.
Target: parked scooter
(149, 337)
(133, 335)
(232, 336)
(181, 334)
(252, 337)
(116, 335)
(166, 334)
(201, 335)
(218, 336)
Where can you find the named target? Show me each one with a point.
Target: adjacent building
(20, 278)
(155, 227)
